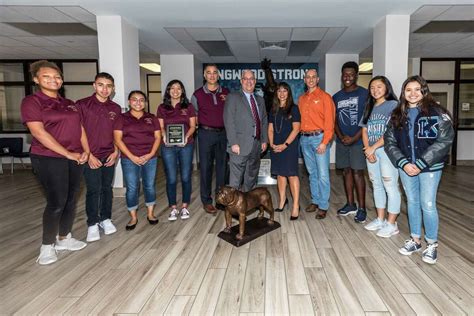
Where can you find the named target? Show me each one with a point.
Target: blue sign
(293, 74)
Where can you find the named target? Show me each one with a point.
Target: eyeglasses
(137, 100)
(248, 79)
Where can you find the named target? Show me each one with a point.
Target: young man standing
(98, 114)
(317, 129)
(350, 103)
(209, 103)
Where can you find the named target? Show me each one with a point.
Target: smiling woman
(58, 151)
(137, 134)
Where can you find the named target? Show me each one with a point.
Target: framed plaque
(175, 135)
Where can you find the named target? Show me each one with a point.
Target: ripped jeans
(384, 178)
(421, 201)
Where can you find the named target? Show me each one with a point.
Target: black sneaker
(410, 247)
(430, 254)
(361, 215)
(347, 209)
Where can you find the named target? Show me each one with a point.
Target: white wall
(465, 149)
(179, 67)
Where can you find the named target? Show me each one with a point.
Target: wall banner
(291, 73)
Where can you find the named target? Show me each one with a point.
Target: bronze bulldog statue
(243, 204)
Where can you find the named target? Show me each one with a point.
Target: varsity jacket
(433, 136)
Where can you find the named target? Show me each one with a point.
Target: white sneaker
(69, 243)
(108, 227)
(47, 255)
(93, 233)
(184, 213)
(376, 224)
(173, 215)
(388, 230)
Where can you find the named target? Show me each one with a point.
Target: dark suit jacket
(239, 122)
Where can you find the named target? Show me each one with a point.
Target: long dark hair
(167, 98)
(370, 103)
(289, 101)
(399, 114)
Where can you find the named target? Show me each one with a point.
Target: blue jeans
(421, 201)
(132, 174)
(172, 157)
(384, 178)
(318, 169)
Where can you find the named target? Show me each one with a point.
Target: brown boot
(311, 208)
(209, 208)
(321, 214)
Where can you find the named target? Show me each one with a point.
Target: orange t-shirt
(317, 112)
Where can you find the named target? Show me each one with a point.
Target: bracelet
(287, 145)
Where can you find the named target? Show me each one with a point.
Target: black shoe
(281, 209)
(152, 221)
(131, 227)
(293, 218)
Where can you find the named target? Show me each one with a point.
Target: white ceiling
(173, 27)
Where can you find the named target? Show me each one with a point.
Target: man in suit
(246, 124)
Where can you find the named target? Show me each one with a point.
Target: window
(16, 83)
(154, 92)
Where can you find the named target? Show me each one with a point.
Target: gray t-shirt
(378, 120)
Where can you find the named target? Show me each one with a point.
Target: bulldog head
(227, 195)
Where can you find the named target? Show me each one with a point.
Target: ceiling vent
(273, 45)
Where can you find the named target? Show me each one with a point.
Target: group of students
(410, 137)
(71, 139)
(407, 138)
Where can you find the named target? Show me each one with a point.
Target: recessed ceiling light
(152, 67)
(366, 67)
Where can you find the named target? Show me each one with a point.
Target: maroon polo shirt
(98, 121)
(177, 115)
(210, 106)
(60, 118)
(138, 134)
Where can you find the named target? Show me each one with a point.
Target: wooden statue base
(254, 228)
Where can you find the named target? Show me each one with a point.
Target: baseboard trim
(465, 162)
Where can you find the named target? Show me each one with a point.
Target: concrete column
(181, 67)
(414, 66)
(330, 79)
(119, 56)
(390, 49)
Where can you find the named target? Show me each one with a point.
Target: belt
(312, 133)
(212, 129)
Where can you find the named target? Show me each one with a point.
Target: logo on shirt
(112, 116)
(148, 120)
(184, 111)
(428, 127)
(348, 111)
(316, 101)
(72, 108)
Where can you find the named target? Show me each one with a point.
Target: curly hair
(37, 65)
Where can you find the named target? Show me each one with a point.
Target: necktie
(253, 106)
